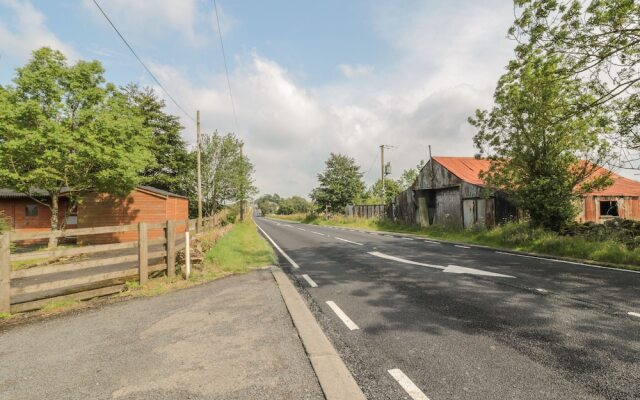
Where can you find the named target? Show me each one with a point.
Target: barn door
(481, 212)
(468, 212)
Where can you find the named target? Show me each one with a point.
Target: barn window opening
(31, 210)
(609, 208)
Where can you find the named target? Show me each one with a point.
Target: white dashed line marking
(461, 246)
(317, 233)
(300, 229)
(309, 280)
(347, 321)
(431, 242)
(406, 238)
(348, 241)
(412, 390)
(542, 290)
(634, 314)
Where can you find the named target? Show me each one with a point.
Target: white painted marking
(347, 321)
(432, 242)
(568, 262)
(348, 241)
(634, 314)
(542, 290)
(309, 280)
(406, 238)
(293, 263)
(300, 229)
(412, 390)
(456, 269)
(402, 260)
(452, 269)
(317, 233)
(187, 252)
(461, 246)
(388, 235)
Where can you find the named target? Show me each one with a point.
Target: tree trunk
(53, 241)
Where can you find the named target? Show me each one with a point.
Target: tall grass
(512, 236)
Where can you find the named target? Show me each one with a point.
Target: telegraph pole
(242, 182)
(382, 169)
(198, 141)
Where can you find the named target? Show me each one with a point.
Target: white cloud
(23, 30)
(449, 60)
(148, 20)
(354, 71)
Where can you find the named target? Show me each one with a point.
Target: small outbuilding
(449, 191)
(25, 213)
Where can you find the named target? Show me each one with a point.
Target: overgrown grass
(512, 236)
(60, 305)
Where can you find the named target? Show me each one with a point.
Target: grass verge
(512, 236)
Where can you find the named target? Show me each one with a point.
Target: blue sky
(309, 78)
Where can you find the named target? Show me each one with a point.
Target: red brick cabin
(144, 204)
(25, 214)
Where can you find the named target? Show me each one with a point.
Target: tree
(600, 41)
(174, 169)
(294, 205)
(392, 188)
(409, 176)
(340, 184)
(269, 203)
(543, 159)
(226, 176)
(63, 130)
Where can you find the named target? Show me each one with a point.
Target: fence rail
(93, 280)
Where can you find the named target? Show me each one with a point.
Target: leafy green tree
(409, 176)
(536, 147)
(174, 169)
(340, 184)
(600, 42)
(294, 205)
(226, 176)
(62, 129)
(269, 203)
(392, 188)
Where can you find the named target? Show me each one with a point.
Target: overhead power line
(142, 62)
(226, 69)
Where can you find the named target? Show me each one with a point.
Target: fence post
(5, 273)
(187, 255)
(171, 249)
(143, 253)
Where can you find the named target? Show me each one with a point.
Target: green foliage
(409, 176)
(62, 127)
(4, 222)
(241, 249)
(294, 205)
(537, 144)
(174, 169)
(226, 173)
(392, 188)
(269, 203)
(340, 184)
(600, 41)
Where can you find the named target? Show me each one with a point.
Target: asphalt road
(508, 327)
(224, 340)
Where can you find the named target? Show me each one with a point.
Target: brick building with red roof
(450, 192)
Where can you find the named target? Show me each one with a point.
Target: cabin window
(31, 210)
(609, 208)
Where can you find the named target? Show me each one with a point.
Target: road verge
(335, 379)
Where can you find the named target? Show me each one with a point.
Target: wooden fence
(366, 211)
(31, 288)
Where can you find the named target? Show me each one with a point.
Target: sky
(307, 78)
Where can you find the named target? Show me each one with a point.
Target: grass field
(512, 236)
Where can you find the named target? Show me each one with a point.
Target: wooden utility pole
(199, 143)
(242, 182)
(382, 169)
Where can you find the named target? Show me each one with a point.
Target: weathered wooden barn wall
(589, 208)
(366, 211)
(404, 208)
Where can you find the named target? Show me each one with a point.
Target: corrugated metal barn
(450, 192)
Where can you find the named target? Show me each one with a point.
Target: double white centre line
(347, 321)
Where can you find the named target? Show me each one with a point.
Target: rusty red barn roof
(468, 169)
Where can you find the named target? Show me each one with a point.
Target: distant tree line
(64, 129)
(274, 204)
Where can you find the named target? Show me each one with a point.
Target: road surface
(419, 319)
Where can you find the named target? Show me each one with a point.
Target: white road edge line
(293, 263)
(317, 233)
(348, 241)
(300, 229)
(461, 246)
(309, 280)
(634, 314)
(568, 262)
(347, 321)
(429, 241)
(412, 390)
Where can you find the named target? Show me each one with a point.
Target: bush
(4, 223)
